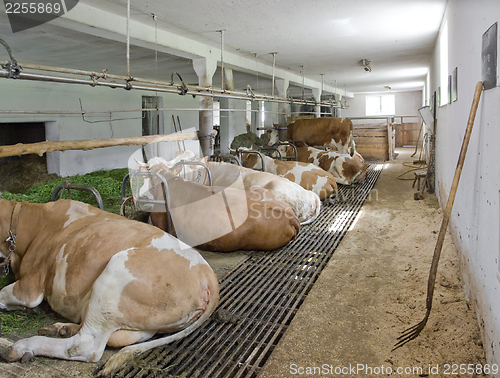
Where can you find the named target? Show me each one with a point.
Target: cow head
(273, 137)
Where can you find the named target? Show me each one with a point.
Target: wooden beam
(89, 144)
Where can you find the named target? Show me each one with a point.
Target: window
(380, 105)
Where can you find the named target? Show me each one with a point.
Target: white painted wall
(475, 220)
(407, 103)
(24, 95)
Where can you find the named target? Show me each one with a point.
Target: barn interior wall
(29, 96)
(475, 218)
(407, 103)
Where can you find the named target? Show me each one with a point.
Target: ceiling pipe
(128, 38)
(222, 58)
(105, 75)
(274, 71)
(303, 80)
(322, 85)
(84, 112)
(158, 86)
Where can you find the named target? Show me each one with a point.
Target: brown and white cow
(332, 132)
(224, 219)
(343, 167)
(118, 281)
(305, 204)
(308, 176)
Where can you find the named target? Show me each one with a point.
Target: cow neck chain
(12, 237)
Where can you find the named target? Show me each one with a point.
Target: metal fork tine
(411, 333)
(409, 330)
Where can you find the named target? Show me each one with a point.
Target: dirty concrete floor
(373, 287)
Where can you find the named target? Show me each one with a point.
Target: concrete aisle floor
(374, 287)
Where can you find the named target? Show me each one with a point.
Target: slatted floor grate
(263, 293)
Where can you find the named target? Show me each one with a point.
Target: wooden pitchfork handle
(412, 332)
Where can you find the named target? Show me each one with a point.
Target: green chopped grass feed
(107, 183)
(23, 323)
(19, 322)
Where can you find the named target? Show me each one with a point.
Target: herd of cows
(119, 282)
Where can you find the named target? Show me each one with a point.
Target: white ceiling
(316, 37)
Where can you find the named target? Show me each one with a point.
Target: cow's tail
(351, 140)
(316, 212)
(129, 352)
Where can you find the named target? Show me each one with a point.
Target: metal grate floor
(263, 293)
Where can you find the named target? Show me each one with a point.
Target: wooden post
(390, 147)
(88, 144)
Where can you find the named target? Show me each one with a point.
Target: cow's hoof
(65, 332)
(26, 357)
(56, 330)
(49, 331)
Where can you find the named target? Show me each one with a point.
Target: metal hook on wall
(107, 120)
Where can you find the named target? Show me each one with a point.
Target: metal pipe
(199, 163)
(128, 38)
(222, 59)
(79, 113)
(165, 87)
(322, 84)
(67, 185)
(105, 75)
(274, 69)
(380, 117)
(303, 80)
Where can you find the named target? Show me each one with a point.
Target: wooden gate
(407, 134)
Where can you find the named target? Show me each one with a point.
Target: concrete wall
(475, 220)
(24, 95)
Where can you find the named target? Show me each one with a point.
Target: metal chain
(12, 240)
(12, 247)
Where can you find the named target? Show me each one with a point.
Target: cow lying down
(346, 169)
(118, 281)
(309, 176)
(223, 219)
(305, 204)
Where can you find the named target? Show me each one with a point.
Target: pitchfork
(412, 332)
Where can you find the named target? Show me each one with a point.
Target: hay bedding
(18, 174)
